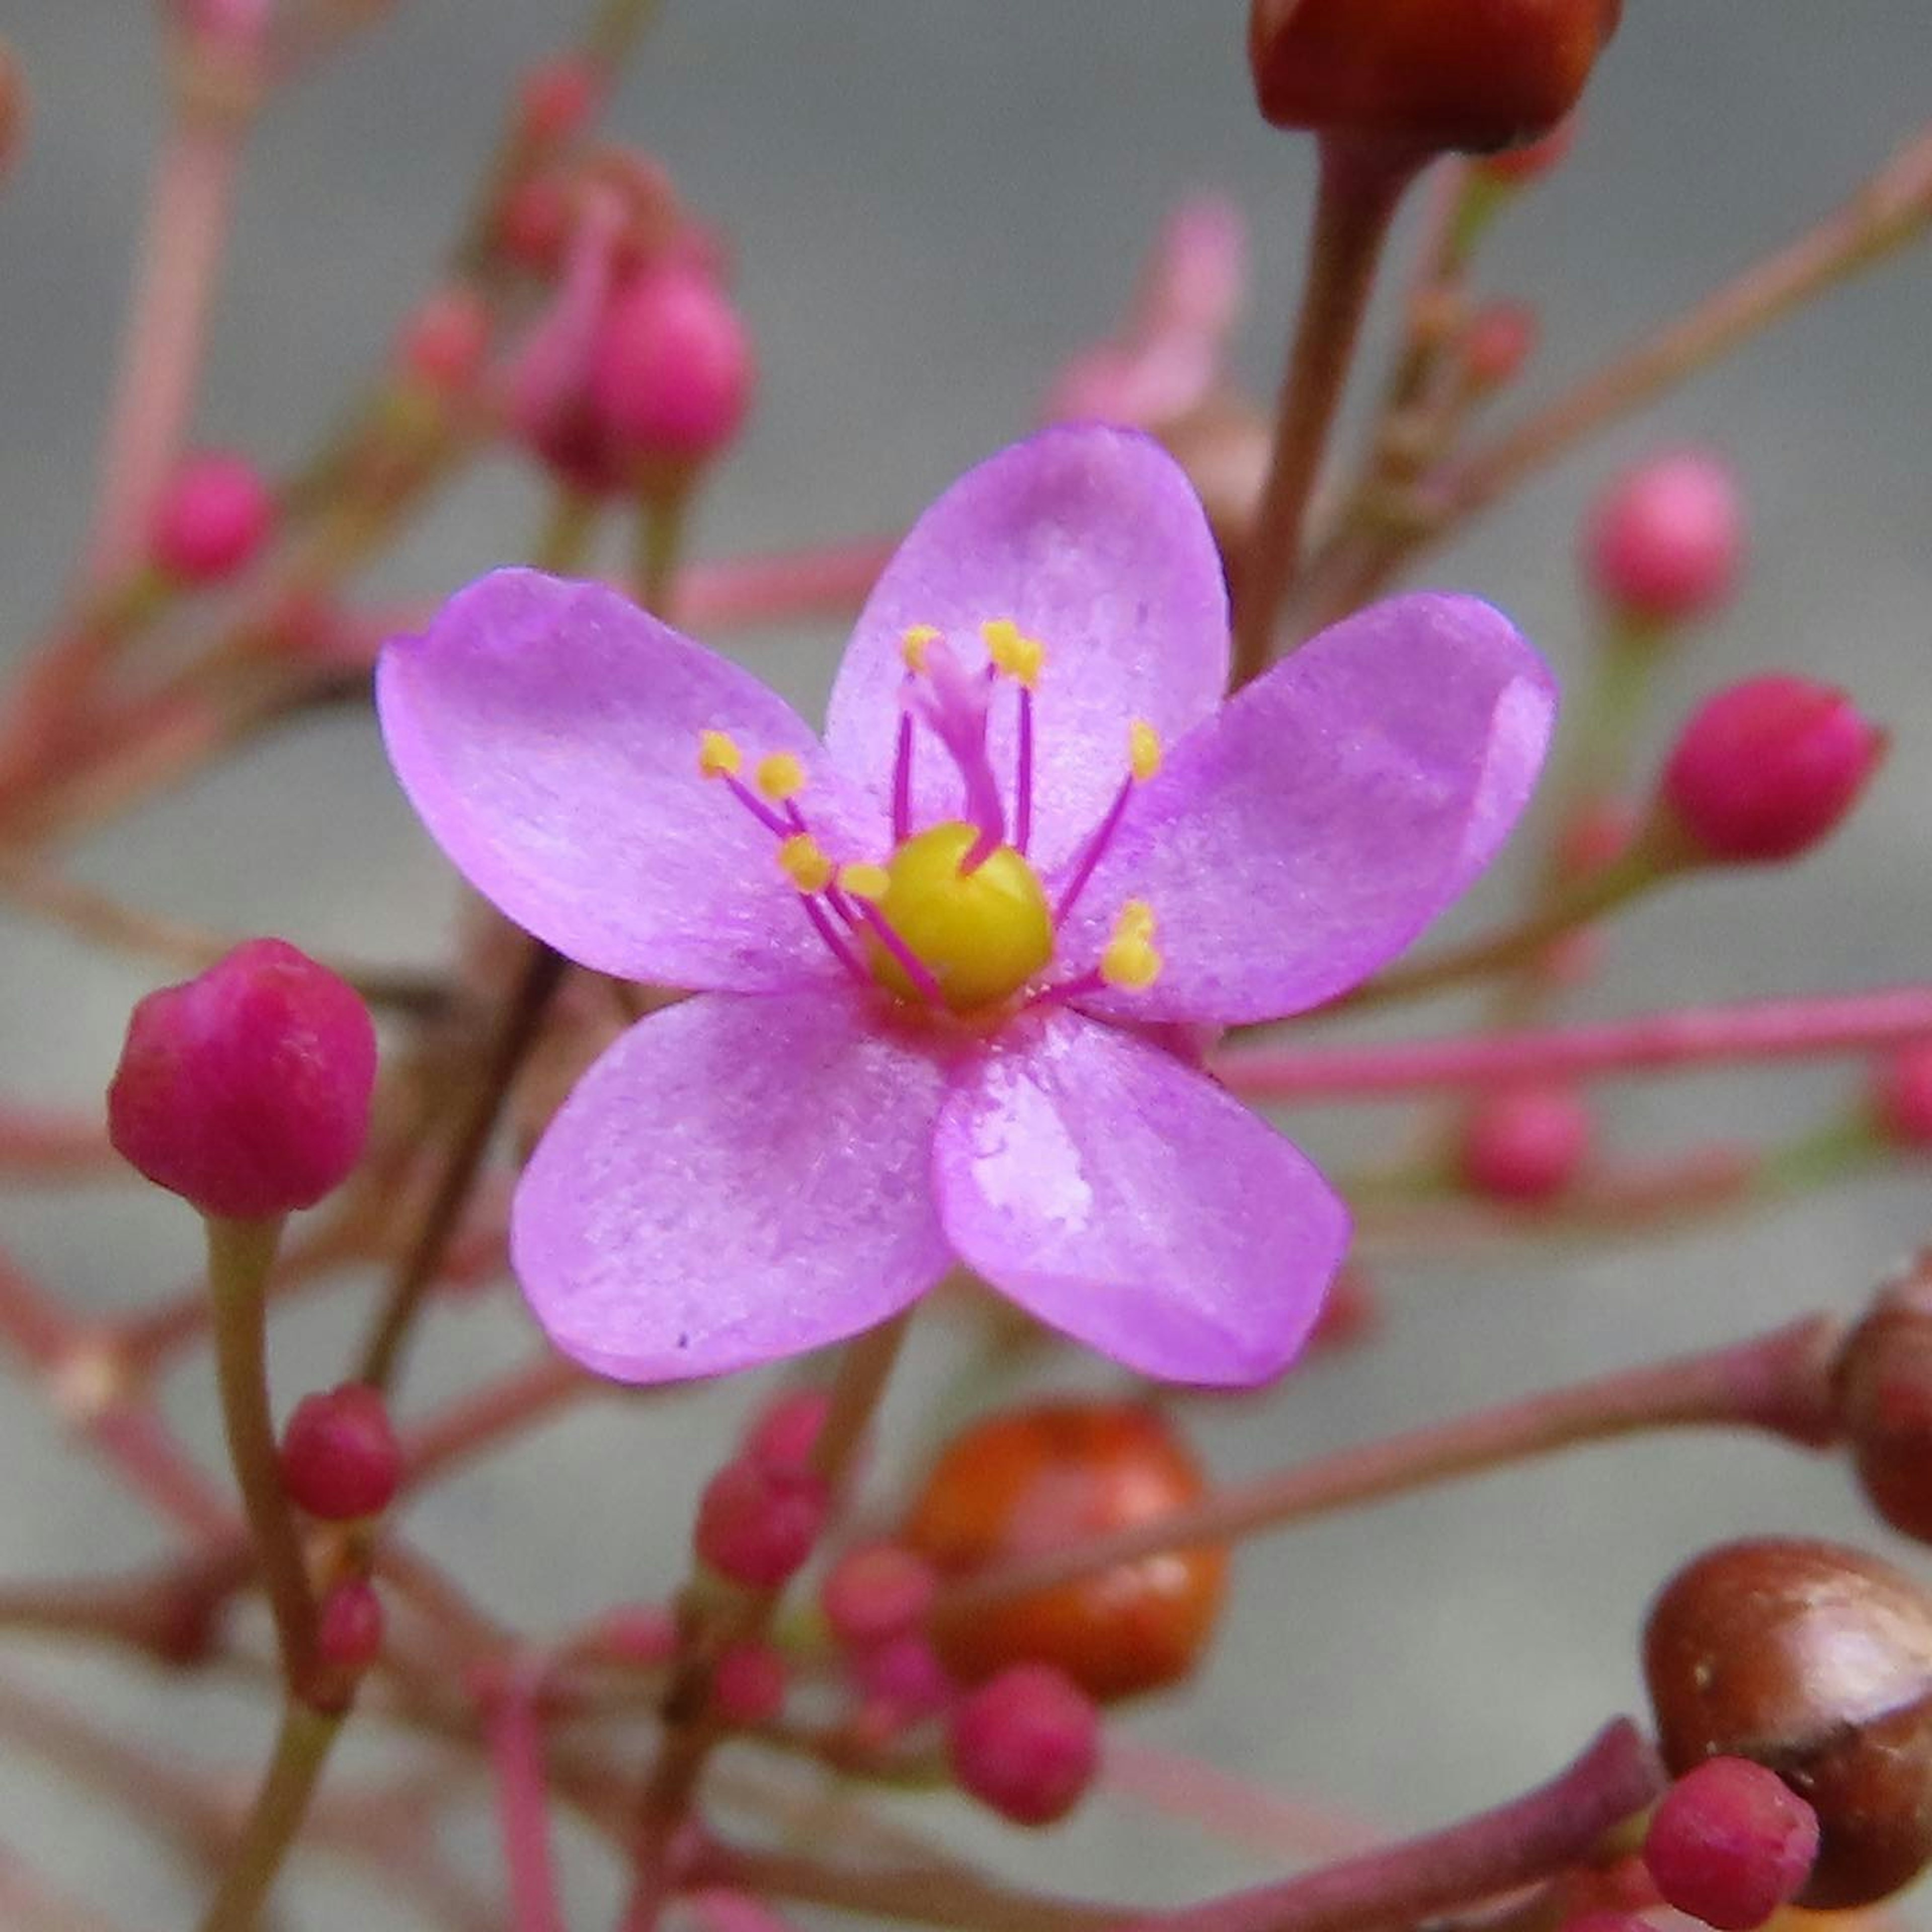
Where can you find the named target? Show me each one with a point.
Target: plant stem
(1778, 1382)
(1360, 185)
(516, 1752)
(302, 1748)
(1558, 1825)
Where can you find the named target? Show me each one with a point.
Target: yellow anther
(717, 756)
(780, 777)
(864, 881)
(1143, 750)
(802, 860)
(1135, 921)
(912, 646)
(1130, 960)
(1019, 655)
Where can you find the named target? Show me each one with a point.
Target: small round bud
(340, 1456)
(1817, 1662)
(785, 1431)
(1902, 1097)
(13, 110)
(1730, 1843)
(246, 1089)
(349, 1627)
(1665, 544)
(1768, 768)
(1526, 1144)
(1883, 1380)
(1026, 1745)
(441, 347)
(904, 1674)
(1036, 1478)
(748, 1687)
(1502, 337)
(1435, 74)
(672, 371)
(878, 1592)
(214, 514)
(757, 1523)
(556, 100)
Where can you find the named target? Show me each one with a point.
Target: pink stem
(42, 1145)
(719, 1910)
(902, 781)
(1683, 1038)
(1200, 1793)
(740, 591)
(1023, 784)
(1096, 850)
(1558, 1825)
(516, 1755)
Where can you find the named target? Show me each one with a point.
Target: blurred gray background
(933, 206)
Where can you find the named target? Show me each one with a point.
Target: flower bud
(1433, 74)
(1664, 544)
(876, 1592)
(213, 516)
(441, 345)
(1502, 337)
(1902, 1097)
(1027, 1743)
(246, 1090)
(349, 1627)
(1817, 1662)
(1883, 1381)
(555, 100)
(340, 1457)
(785, 1431)
(671, 373)
(757, 1523)
(905, 1675)
(748, 1687)
(13, 109)
(1036, 1478)
(1730, 1843)
(1525, 1144)
(1768, 768)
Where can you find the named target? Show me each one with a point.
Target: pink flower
(932, 953)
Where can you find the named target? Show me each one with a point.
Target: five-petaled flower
(937, 958)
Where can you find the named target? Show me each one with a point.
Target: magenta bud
(1525, 1144)
(673, 371)
(214, 514)
(349, 1627)
(749, 1687)
(757, 1523)
(1730, 1843)
(1767, 769)
(340, 1456)
(784, 1431)
(876, 1592)
(246, 1090)
(904, 1674)
(1026, 1744)
(1665, 544)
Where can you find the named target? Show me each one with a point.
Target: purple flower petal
(1091, 540)
(1309, 833)
(736, 1179)
(1126, 1199)
(547, 733)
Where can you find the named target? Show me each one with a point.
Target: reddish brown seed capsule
(1038, 1478)
(1883, 1380)
(1473, 75)
(1815, 1661)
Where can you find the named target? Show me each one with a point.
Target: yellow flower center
(981, 934)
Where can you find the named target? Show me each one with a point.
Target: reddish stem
(735, 592)
(39, 1144)
(516, 1753)
(1685, 1038)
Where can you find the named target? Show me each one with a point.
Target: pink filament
(1096, 850)
(1023, 781)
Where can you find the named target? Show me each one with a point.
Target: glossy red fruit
(1040, 1478)
(1882, 1382)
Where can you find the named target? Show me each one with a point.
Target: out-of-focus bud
(1042, 1477)
(784, 1433)
(1525, 1144)
(1472, 75)
(672, 372)
(533, 224)
(246, 1090)
(1665, 544)
(349, 1628)
(1901, 1096)
(1815, 1661)
(1026, 1745)
(876, 1592)
(441, 346)
(1768, 768)
(1730, 1843)
(556, 100)
(757, 1523)
(1502, 337)
(340, 1457)
(214, 515)
(13, 110)
(1883, 1380)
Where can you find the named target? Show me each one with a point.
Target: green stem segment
(302, 1749)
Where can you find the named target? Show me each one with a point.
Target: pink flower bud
(246, 1089)
(876, 1592)
(1027, 1743)
(349, 1627)
(1730, 1843)
(1525, 1144)
(214, 514)
(784, 1431)
(905, 1674)
(672, 372)
(555, 99)
(1766, 769)
(1902, 1095)
(757, 1523)
(1502, 337)
(441, 346)
(340, 1456)
(1665, 544)
(749, 1686)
